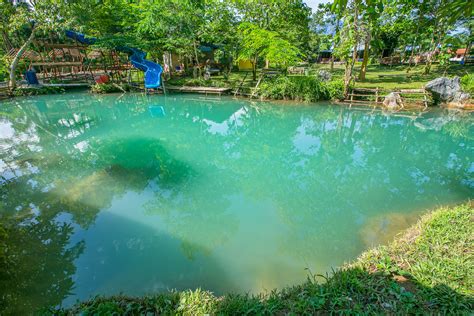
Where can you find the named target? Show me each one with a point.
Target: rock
(393, 101)
(324, 75)
(448, 92)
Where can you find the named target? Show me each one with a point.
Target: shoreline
(412, 274)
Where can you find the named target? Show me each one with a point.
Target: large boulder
(393, 101)
(448, 92)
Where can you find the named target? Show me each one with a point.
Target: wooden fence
(375, 97)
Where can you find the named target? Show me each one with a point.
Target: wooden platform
(206, 90)
(62, 85)
(68, 85)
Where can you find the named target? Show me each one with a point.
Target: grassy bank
(397, 77)
(427, 269)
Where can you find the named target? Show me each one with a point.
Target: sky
(313, 4)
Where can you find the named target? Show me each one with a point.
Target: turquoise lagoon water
(139, 194)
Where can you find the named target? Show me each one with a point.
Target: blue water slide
(137, 58)
(81, 38)
(152, 70)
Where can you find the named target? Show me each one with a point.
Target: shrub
(335, 89)
(37, 91)
(109, 88)
(308, 89)
(196, 82)
(467, 83)
(3, 69)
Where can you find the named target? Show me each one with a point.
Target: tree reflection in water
(236, 181)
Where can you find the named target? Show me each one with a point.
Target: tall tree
(349, 37)
(258, 42)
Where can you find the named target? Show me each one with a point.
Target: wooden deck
(68, 85)
(62, 85)
(58, 64)
(206, 90)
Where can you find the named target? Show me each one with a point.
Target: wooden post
(425, 99)
(376, 95)
(163, 84)
(352, 98)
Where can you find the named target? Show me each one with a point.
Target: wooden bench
(296, 70)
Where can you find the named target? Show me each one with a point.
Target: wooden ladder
(256, 86)
(241, 83)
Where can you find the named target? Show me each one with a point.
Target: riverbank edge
(426, 269)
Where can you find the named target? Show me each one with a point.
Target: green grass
(383, 77)
(396, 77)
(427, 269)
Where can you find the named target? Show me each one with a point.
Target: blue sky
(313, 4)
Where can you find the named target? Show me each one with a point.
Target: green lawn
(427, 270)
(396, 77)
(384, 77)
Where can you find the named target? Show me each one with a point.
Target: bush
(37, 91)
(109, 88)
(196, 82)
(335, 89)
(467, 83)
(308, 89)
(3, 69)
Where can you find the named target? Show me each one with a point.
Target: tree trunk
(254, 69)
(197, 66)
(350, 66)
(6, 41)
(336, 35)
(415, 41)
(436, 29)
(363, 68)
(430, 56)
(14, 64)
(468, 48)
(347, 79)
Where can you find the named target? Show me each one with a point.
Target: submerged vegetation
(427, 269)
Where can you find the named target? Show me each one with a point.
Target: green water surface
(139, 194)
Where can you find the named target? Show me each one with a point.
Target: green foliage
(109, 88)
(197, 82)
(258, 42)
(25, 91)
(3, 69)
(308, 89)
(467, 83)
(335, 89)
(426, 271)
